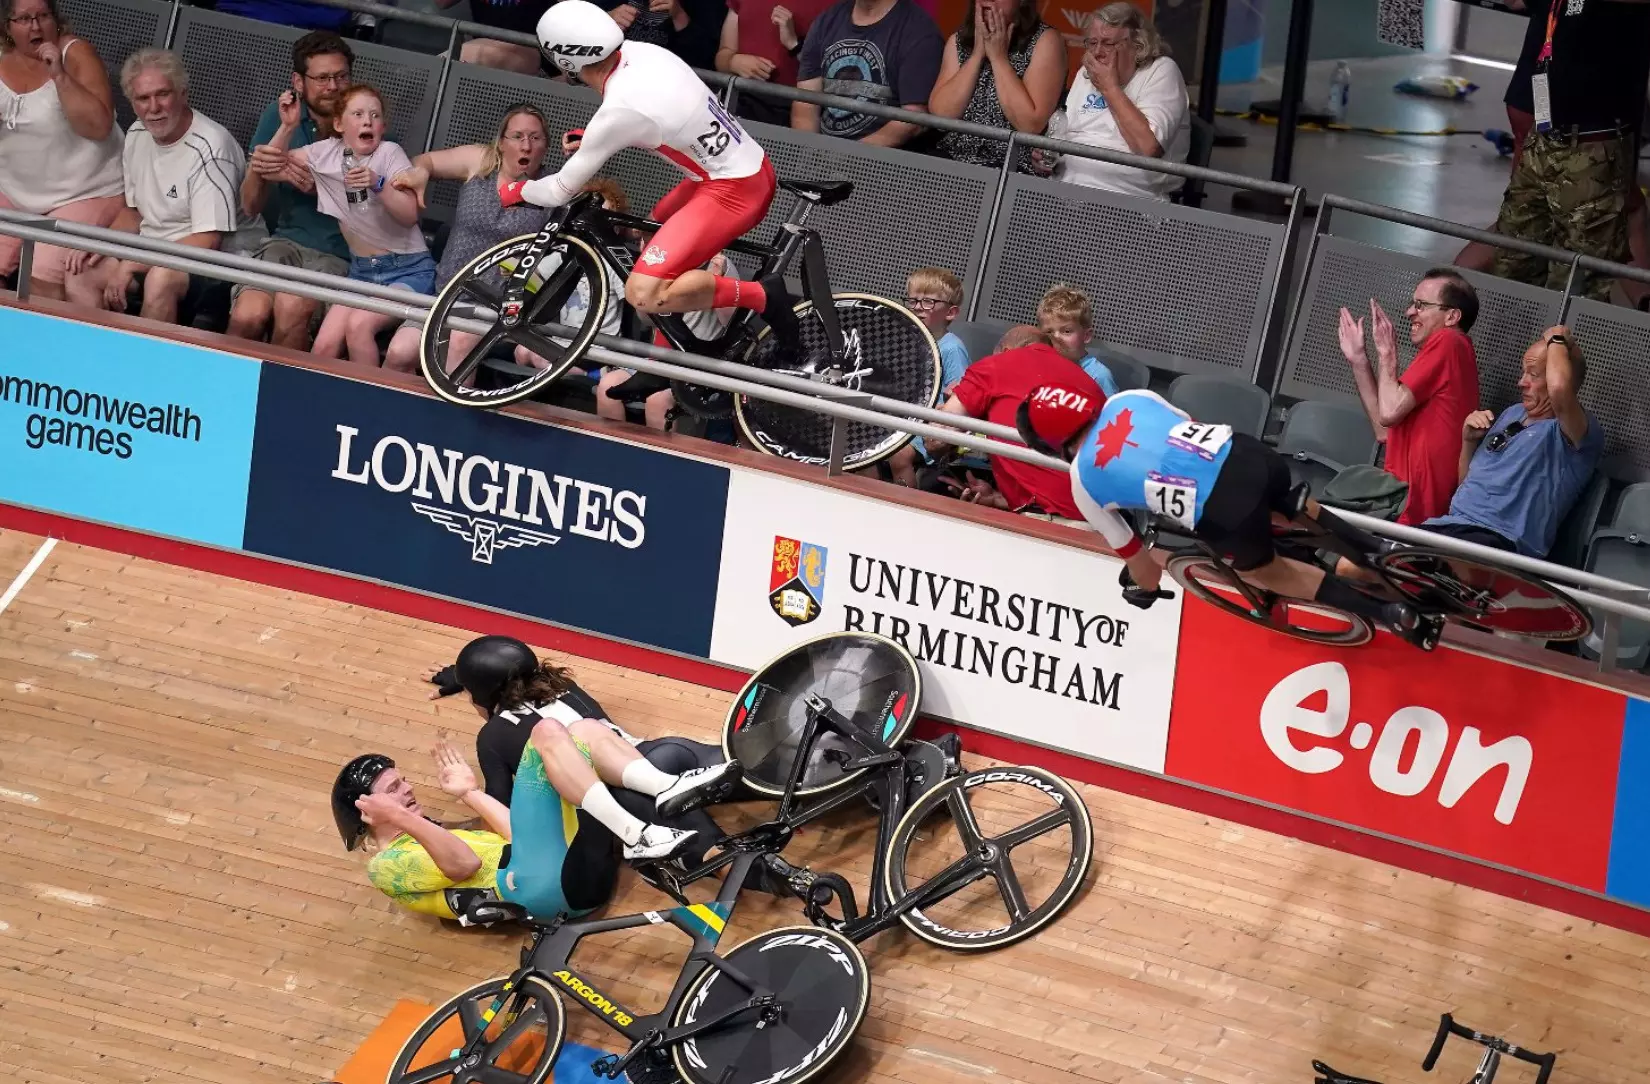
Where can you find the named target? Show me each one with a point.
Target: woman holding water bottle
(379, 221)
(1004, 67)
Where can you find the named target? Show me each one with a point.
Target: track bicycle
(783, 1004)
(1471, 592)
(1494, 1049)
(519, 288)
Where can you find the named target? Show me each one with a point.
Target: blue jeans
(414, 270)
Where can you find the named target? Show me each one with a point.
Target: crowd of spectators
(322, 188)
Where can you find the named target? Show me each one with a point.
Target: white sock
(643, 778)
(599, 802)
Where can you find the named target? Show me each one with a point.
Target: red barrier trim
(407, 603)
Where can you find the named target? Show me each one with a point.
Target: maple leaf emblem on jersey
(1113, 438)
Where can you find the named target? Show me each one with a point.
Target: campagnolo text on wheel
(497, 335)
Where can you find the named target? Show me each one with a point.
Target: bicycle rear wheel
(467, 353)
(888, 352)
(522, 1028)
(869, 680)
(1312, 621)
(1024, 830)
(1486, 596)
(823, 987)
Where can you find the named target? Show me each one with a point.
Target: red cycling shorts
(701, 218)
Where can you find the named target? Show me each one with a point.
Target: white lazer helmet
(574, 33)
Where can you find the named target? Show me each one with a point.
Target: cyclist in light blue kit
(1135, 450)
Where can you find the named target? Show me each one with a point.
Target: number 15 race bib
(1201, 439)
(1172, 497)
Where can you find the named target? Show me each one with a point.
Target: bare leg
(656, 410)
(903, 466)
(249, 317)
(293, 315)
(610, 753)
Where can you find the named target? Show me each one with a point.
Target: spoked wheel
(489, 1034)
(466, 327)
(888, 352)
(869, 680)
(1016, 849)
(1304, 620)
(1486, 596)
(822, 987)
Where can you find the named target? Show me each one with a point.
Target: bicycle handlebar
(1447, 1027)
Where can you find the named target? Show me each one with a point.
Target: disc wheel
(467, 354)
(822, 985)
(888, 352)
(1015, 842)
(1486, 596)
(520, 1033)
(1315, 622)
(869, 680)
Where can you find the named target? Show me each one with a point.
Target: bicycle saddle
(823, 193)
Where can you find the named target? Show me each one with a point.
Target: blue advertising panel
(1629, 877)
(547, 522)
(129, 430)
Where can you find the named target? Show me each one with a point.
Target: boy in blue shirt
(935, 296)
(1065, 317)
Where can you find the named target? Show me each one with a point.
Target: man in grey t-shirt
(882, 51)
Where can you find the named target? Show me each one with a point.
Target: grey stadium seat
(1322, 438)
(980, 336)
(1622, 552)
(1129, 371)
(1241, 405)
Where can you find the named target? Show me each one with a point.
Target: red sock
(739, 294)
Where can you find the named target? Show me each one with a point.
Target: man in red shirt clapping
(992, 390)
(1419, 414)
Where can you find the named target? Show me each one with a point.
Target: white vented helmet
(574, 33)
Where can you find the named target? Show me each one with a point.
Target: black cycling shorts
(1237, 515)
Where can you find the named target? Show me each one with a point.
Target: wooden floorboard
(178, 908)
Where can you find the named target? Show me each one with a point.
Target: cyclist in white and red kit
(654, 101)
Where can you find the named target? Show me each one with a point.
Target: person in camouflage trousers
(1572, 195)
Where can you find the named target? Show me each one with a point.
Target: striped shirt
(191, 185)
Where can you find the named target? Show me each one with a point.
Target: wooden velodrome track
(175, 905)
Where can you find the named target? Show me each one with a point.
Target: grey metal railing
(1615, 599)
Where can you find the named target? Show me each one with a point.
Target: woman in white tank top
(59, 143)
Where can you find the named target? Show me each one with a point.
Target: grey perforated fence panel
(1184, 289)
(1616, 345)
(238, 66)
(117, 29)
(1349, 273)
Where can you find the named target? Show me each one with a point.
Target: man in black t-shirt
(1570, 184)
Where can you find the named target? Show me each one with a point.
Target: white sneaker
(700, 787)
(658, 844)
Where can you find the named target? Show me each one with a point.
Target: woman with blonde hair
(481, 220)
(57, 125)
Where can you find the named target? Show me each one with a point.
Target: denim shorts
(414, 270)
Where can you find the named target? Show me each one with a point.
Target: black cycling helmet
(355, 782)
(485, 666)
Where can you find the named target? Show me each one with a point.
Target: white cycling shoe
(658, 844)
(700, 787)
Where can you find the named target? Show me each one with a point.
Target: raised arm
(1561, 386)
(610, 131)
(82, 87)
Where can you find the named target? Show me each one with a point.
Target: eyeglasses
(1417, 303)
(1498, 441)
(40, 19)
(1093, 44)
(922, 304)
(336, 79)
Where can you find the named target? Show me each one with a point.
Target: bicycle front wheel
(1486, 596)
(469, 357)
(887, 352)
(1020, 849)
(489, 1033)
(1315, 622)
(822, 985)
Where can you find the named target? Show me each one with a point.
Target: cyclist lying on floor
(541, 852)
(1136, 451)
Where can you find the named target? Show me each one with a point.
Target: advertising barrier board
(548, 522)
(1452, 749)
(125, 429)
(1017, 636)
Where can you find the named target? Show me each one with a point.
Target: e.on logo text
(1405, 755)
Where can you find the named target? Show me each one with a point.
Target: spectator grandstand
(1230, 309)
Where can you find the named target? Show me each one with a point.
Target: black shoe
(1412, 626)
(780, 314)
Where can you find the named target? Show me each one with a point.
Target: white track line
(29, 570)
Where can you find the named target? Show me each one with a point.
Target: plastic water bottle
(353, 195)
(1340, 91)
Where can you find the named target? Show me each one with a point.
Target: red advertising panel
(1451, 749)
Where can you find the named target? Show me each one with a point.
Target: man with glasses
(299, 234)
(1521, 472)
(1419, 414)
